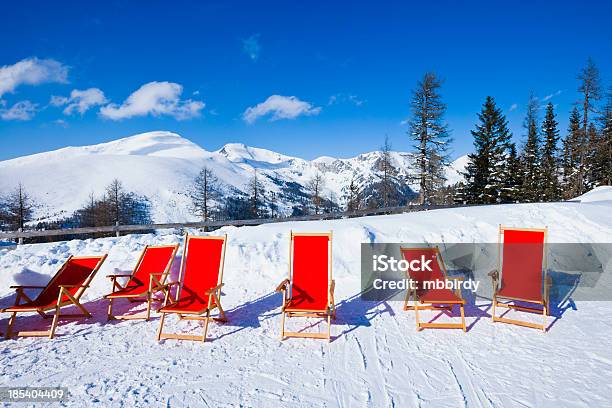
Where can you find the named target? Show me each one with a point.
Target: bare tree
(205, 190)
(19, 207)
(388, 174)
(315, 186)
(256, 196)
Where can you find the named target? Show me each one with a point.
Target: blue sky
(219, 72)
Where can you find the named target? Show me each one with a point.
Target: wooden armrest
(283, 285)
(73, 286)
(213, 290)
(119, 276)
(26, 287)
(494, 274)
(159, 273)
(458, 278)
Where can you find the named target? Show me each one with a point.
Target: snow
(376, 358)
(597, 195)
(163, 165)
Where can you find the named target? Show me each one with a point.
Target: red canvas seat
(309, 289)
(427, 297)
(199, 285)
(522, 273)
(64, 289)
(147, 278)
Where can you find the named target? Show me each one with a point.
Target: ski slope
(376, 359)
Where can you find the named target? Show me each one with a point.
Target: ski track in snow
(377, 358)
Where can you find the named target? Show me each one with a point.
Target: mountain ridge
(162, 165)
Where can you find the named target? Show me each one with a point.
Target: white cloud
(157, 99)
(513, 107)
(31, 71)
(552, 95)
(80, 100)
(23, 110)
(343, 98)
(252, 47)
(280, 107)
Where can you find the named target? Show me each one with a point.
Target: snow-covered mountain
(162, 166)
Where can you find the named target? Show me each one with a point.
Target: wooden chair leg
(109, 313)
(282, 325)
(54, 323)
(206, 324)
(161, 326)
(416, 315)
(329, 327)
(462, 317)
(148, 306)
(494, 304)
(11, 322)
(544, 314)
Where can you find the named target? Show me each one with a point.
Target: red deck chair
(309, 290)
(64, 289)
(199, 285)
(427, 298)
(147, 278)
(522, 262)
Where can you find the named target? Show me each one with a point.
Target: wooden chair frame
(213, 294)
(72, 300)
(494, 274)
(156, 284)
(287, 285)
(418, 304)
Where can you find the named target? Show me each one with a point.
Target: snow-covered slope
(377, 358)
(598, 194)
(162, 166)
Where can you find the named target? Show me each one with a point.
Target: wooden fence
(118, 229)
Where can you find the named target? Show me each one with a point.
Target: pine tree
(530, 159)
(550, 162)
(205, 190)
(488, 168)
(353, 202)
(604, 156)
(572, 148)
(592, 168)
(590, 88)
(430, 133)
(513, 178)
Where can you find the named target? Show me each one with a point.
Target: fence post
(117, 230)
(20, 239)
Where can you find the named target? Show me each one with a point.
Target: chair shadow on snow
(353, 312)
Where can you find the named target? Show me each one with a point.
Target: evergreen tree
(593, 168)
(572, 148)
(430, 133)
(590, 88)
(488, 168)
(256, 197)
(353, 202)
(550, 163)
(530, 159)
(513, 178)
(604, 156)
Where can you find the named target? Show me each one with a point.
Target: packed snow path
(377, 358)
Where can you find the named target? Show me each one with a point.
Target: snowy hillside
(377, 358)
(162, 166)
